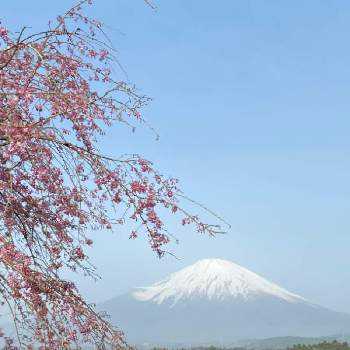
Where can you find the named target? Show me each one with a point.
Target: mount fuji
(218, 301)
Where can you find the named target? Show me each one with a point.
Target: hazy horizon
(251, 104)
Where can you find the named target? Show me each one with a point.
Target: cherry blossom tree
(57, 96)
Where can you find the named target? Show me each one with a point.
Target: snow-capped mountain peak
(213, 279)
(216, 301)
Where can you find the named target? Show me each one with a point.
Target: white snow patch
(214, 279)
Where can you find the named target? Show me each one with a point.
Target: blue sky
(251, 100)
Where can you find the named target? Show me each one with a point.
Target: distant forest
(333, 345)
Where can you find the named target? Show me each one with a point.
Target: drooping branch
(57, 96)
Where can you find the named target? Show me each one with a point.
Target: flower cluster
(57, 95)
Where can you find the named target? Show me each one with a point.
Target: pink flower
(3, 32)
(103, 54)
(39, 107)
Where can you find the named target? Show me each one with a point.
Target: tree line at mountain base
(325, 345)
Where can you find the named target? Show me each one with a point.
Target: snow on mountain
(214, 279)
(217, 301)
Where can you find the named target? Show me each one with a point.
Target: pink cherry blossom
(57, 98)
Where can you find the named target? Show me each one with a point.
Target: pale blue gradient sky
(252, 102)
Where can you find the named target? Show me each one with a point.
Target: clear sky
(252, 102)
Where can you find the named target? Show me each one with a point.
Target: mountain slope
(218, 301)
(214, 279)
